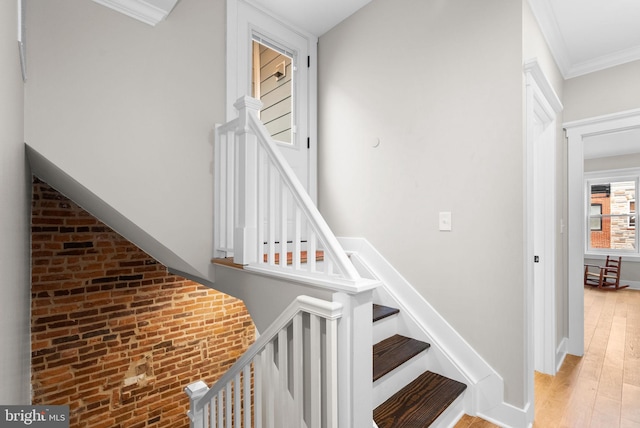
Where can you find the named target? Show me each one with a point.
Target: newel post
(355, 341)
(245, 240)
(195, 391)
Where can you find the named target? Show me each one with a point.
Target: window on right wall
(611, 210)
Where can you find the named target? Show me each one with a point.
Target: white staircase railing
(287, 379)
(264, 217)
(267, 222)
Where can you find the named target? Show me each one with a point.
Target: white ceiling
(316, 17)
(589, 35)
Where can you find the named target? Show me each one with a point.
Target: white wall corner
(148, 11)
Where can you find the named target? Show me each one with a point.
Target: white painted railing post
(355, 343)
(195, 391)
(246, 195)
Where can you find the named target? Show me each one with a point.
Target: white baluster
(283, 227)
(283, 380)
(257, 391)
(331, 371)
(316, 368)
(220, 409)
(268, 370)
(311, 251)
(298, 367)
(246, 377)
(297, 238)
(272, 216)
(228, 415)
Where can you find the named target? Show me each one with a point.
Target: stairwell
(264, 241)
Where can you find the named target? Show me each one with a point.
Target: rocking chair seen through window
(605, 277)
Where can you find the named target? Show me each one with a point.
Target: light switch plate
(445, 221)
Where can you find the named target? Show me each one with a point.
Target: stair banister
(222, 403)
(238, 176)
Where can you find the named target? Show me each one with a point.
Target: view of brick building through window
(612, 216)
(114, 335)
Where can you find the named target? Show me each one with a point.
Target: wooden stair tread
(381, 312)
(419, 403)
(394, 351)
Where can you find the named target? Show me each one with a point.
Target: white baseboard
(634, 285)
(561, 353)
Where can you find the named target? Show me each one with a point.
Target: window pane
(272, 84)
(596, 219)
(612, 216)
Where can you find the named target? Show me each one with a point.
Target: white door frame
(542, 107)
(576, 132)
(239, 27)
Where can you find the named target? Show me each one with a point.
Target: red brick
(100, 306)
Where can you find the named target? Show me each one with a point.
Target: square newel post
(246, 197)
(195, 391)
(355, 362)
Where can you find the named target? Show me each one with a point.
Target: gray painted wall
(603, 92)
(447, 106)
(128, 110)
(15, 193)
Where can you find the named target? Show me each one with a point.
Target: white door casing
(542, 107)
(244, 21)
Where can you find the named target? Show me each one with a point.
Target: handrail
(322, 308)
(287, 379)
(304, 200)
(247, 194)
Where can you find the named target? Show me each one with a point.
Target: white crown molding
(603, 62)
(543, 13)
(148, 11)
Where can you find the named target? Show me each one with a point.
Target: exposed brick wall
(114, 335)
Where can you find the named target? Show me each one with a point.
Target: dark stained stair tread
(394, 351)
(419, 403)
(380, 312)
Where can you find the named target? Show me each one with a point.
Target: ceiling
(589, 35)
(316, 17)
(584, 35)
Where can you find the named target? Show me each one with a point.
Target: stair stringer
(449, 355)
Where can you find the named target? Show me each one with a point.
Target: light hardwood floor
(601, 389)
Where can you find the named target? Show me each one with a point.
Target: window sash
(621, 221)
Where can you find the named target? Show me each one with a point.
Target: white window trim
(605, 177)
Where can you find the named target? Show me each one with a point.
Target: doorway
(577, 131)
(289, 57)
(543, 106)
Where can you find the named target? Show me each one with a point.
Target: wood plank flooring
(601, 389)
